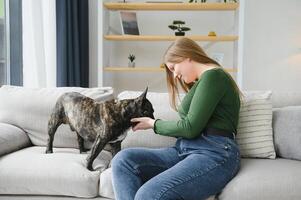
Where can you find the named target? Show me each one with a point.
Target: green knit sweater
(211, 102)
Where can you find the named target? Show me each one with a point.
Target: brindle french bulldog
(102, 123)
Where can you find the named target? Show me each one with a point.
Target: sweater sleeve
(209, 91)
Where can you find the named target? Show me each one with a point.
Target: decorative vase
(131, 64)
(180, 33)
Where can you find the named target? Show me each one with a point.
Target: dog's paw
(90, 168)
(83, 150)
(48, 151)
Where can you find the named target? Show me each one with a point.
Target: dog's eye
(145, 112)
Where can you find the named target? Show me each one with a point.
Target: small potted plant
(180, 30)
(195, 1)
(230, 1)
(131, 60)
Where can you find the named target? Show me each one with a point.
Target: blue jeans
(191, 170)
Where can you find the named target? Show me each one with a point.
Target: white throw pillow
(12, 139)
(254, 132)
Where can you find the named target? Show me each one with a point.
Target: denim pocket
(220, 143)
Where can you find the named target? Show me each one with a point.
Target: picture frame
(129, 23)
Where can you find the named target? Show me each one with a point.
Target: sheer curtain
(39, 43)
(3, 71)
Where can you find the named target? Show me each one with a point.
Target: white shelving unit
(106, 37)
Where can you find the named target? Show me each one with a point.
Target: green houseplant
(177, 26)
(232, 1)
(195, 1)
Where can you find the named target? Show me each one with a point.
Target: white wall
(272, 45)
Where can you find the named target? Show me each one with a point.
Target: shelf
(134, 69)
(147, 69)
(110, 37)
(171, 6)
(169, 38)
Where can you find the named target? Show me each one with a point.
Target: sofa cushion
(30, 109)
(12, 138)
(147, 138)
(287, 131)
(286, 98)
(263, 179)
(254, 131)
(255, 138)
(31, 171)
(106, 186)
(44, 197)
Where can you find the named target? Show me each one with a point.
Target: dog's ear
(142, 97)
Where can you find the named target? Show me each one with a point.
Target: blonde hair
(181, 49)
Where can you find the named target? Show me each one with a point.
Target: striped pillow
(254, 132)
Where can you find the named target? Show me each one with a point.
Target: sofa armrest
(12, 139)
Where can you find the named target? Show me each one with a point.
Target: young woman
(205, 157)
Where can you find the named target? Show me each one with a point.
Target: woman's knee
(145, 192)
(155, 193)
(122, 157)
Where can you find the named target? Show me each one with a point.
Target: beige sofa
(26, 172)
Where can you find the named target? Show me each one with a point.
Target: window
(3, 60)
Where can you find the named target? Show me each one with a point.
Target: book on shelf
(129, 23)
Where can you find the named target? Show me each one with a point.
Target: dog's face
(138, 107)
(146, 109)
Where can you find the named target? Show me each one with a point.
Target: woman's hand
(143, 123)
